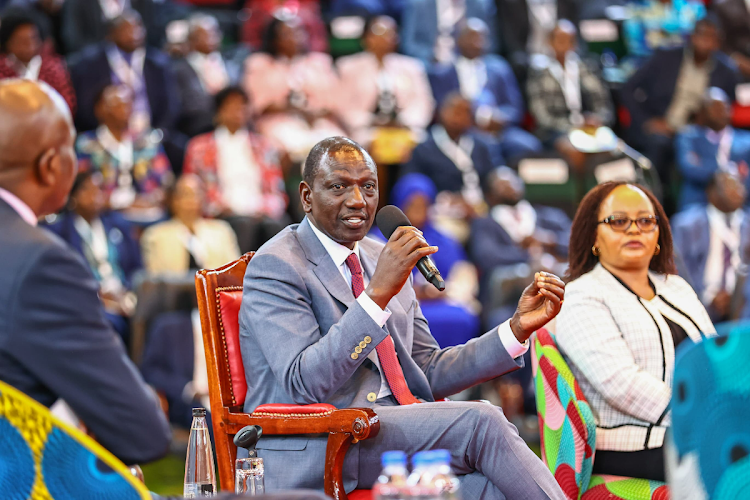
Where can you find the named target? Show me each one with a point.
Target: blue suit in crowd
(697, 161)
(500, 91)
(419, 26)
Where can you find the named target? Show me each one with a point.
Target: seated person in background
(352, 334)
(524, 25)
(381, 89)
(263, 12)
(133, 168)
(241, 172)
(202, 73)
(713, 241)
(429, 27)
(711, 145)
(453, 313)
(625, 312)
(23, 55)
(294, 93)
(660, 24)
(108, 244)
(188, 241)
(565, 93)
(734, 16)
(124, 59)
(514, 232)
(174, 362)
(661, 107)
(456, 160)
(489, 83)
(55, 341)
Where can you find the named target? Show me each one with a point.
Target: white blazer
(621, 351)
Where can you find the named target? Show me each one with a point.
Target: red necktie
(386, 350)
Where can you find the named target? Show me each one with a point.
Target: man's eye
(337, 186)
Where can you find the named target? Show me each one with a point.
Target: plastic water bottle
(391, 485)
(200, 477)
(443, 478)
(420, 485)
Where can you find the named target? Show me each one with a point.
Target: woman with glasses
(625, 312)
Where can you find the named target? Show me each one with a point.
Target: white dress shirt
(239, 173)
(722, 233)
(339, 254)
(19, 206)
(472, 76)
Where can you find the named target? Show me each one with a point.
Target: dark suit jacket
(90, 73)
(501, 89)
(692, 235)
(491, 247)
(513, 16)
(119, 234)
(735, 22)
(56, 343)
(648, 97)
(427, 159)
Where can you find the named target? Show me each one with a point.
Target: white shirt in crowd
(239, 174)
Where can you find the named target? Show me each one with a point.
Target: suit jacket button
(357, 349)
(372, 397)
(368, 339)
(355, 355)
(363, 344)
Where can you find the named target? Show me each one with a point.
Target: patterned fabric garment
(201, 158)
(710, 407)
(52, 72)
(150, 169)
(568, 433)
(386, 349)
(44, 459)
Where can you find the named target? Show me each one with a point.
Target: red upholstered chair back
(219, 299)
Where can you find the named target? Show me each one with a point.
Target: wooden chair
(219, 298)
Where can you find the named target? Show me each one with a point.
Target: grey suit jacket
(299, 325)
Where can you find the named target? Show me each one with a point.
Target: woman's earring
(595, 250)
(658, 250)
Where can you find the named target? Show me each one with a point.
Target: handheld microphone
(391, 217)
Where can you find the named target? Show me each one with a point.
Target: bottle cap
(199, 412)
(421, 459)
(441, 456)
(393, 458)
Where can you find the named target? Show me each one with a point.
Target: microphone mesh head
(389, 218)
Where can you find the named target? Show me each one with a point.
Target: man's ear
(48, 167)
(305, 195)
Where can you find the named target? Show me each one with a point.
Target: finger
(554, 299)
(551, 278)
(423, 252)
(559, 291)
(415, 242)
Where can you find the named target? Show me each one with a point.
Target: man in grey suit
(54, 339)
(305, 339)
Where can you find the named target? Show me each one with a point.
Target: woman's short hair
(586, 221)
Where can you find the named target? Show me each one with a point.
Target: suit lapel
(324, 269)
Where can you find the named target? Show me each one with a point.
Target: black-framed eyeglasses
(620, 223)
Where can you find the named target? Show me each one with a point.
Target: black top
(678, 333)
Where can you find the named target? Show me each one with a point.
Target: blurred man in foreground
(55, 341)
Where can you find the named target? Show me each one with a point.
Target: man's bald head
(36, 144)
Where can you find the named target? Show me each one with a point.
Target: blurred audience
(382, 91)
(455, 159)
(524, 25)
(565, 93)
(201, 74)
(109, 245)
(660, 24)
(713, 241)
(429, 27)
(625, 313)
(668, 89)
(489, 83)
(125, 60)
(368, 8)
(262, 12)
(293, 91)
(241, 172)
(513, 241)
(710, 146)
(734, 16)
(22, 55)
(133, 168)
(188, 241)
(453, 313)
